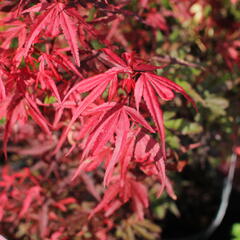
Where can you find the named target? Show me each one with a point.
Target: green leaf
(159, 36)
(96, 44)
(143, 233)
(174, 124)
(183, 126)
(174, 209)
(50, 100)
(236, 231)
(168, 115)
(14, 43)
(174, 35)
(2, 121)
(173, 142)
(188, 88)
(192, 128)
(216, 104)
(130, 234)
(161, 210)
(91, 14)
(166, 4)
(149, 225)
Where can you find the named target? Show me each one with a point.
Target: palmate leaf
(35, 113)
(120, 143)
(111, 57)
(140, 198)
(155, 110)
(33, 194)
(92, 162)
(97, 84)
(63, 60)
(69, 31)
(117, 195)
(47, 80)
(12, 106)
(127, 156)
(148, 154)
(90, 83)
(150, 85)
(41, 23)
(115, 119)
(47, 64)
(109, 195)
(164, 83)
(47, 21)
(18, 29)
(102, 132)
(18, 109)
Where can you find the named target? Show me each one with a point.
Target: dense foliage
(95, 121)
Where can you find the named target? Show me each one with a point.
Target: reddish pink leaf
(100, 108)
(67, 63)
(138, 92)
(40, 24)
(47, 58)
(170, 189)
(161, 175)
(156, 20)
(12, 116)
(43, 219)
(155, 110)
(36, 115)
(121, 138)
(53, 29)
(109, 195)
(18, 31)
(2, 88)
(56, 235)
(70, 32)
(102, 133)
(138, 207)
(61, 204)
(4, 201)
(137, 117)
(113, 88)
(88, 84)
(112, 57)
(35, 8)
(33, 193)
(90, 163)
(162, 91)
(141, 192)
(143, 3)
(168, 84)
(82, 106)
(113, 206)
(50, 82)
(33, 150)
(88, 180)
(126, 157)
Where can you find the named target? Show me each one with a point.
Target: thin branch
(173, 60)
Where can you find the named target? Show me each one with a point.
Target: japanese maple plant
(82, 105)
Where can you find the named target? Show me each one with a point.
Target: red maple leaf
(115, 118)
(55, 15)
(117, 195)
(147, 85)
